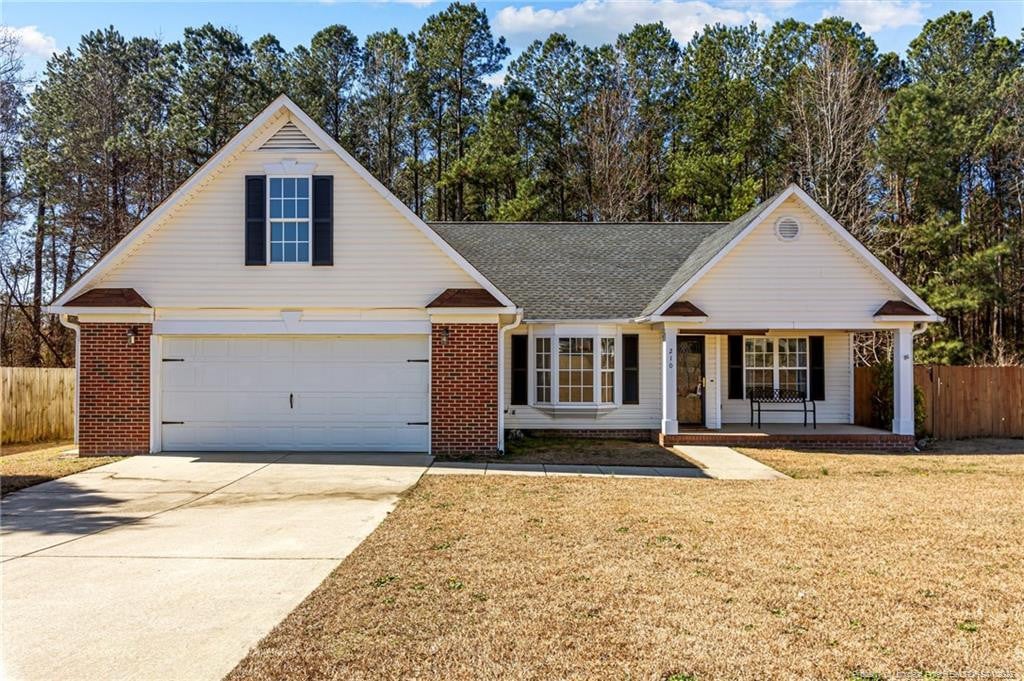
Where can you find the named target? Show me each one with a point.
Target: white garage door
(338, 393)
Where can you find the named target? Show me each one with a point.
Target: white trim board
(237, 144)
(857, 247)
(210, 327)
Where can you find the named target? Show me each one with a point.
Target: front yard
(863, 565)
(26, 465)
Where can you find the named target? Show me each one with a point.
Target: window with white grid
(775, 364)
(289, 199)
(543, 366)
(607, 370)
(758, 365)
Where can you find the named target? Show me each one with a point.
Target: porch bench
(766, 399)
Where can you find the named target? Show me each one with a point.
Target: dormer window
(289, 209)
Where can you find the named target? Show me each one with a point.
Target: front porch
(709, 379)
(792, 436)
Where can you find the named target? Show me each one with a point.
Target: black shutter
(630, 368)
(323, 220)
(255, 220)
(735, 367)
(520, 368)
(816, 361)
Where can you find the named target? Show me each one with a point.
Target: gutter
(501, 376)
(78, 365)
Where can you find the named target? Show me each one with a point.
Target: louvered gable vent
(289, 138)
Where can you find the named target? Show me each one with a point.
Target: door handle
(291, 401)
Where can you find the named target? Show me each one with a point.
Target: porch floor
(793, 435)
(768, 429)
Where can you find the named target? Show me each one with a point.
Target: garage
(305, 393)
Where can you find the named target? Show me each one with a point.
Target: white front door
(314, 393)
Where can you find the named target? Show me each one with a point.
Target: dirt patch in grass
(587, 451)
(35, 465)
(538, 578)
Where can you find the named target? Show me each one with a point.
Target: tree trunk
(36, 357)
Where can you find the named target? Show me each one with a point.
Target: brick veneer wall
(464, 389)
(113, 390)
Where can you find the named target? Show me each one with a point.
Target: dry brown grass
(34, 464)
(543, 578)
(827, 464)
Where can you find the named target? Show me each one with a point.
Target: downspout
(501, 376)
(78, 364)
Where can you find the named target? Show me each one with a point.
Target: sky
(44, 27)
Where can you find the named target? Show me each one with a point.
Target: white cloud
(594, 22)
(496, 79)
(34, 42)
(878, 15)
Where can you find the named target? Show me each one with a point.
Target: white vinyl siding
(768, 283)
(646, 415)
(837, 406)
(196, 257)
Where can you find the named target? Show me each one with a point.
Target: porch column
(669, 419)
(903, 381)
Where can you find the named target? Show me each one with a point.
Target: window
(543, 361)
(793, 364)
(575, 369)
(578, 370)
(607, 369)
(289, 199)
(757, 363)
(774, 364)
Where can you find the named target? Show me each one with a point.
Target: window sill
(569, 410)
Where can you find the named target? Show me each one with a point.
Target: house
(282, 298)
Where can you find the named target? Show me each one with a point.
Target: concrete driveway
(171, 566)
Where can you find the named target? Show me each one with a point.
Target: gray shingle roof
(581, 270)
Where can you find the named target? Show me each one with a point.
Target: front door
(690, 380)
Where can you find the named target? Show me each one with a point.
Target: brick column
(464, 389)
(113, 389)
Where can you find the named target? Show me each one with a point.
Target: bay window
(574, 370)
(774, 364)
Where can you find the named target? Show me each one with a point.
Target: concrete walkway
(725, 463)
(460, 468)
(172, 566)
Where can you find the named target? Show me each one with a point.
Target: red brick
(114, 390)
(464, 389)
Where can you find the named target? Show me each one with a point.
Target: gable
(189, 251)
(815, 279)
(196, 257)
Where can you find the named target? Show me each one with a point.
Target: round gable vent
(787, 228)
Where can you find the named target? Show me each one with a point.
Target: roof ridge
(555, 223)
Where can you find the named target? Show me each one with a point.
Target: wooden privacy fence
(959, 402)
(38, 404)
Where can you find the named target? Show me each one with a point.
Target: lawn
(585, 451)
(22, 466)
(843, 575)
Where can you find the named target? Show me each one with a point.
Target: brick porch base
(886, 442)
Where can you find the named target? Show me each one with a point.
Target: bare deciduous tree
(614, 180)
(834, 105)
